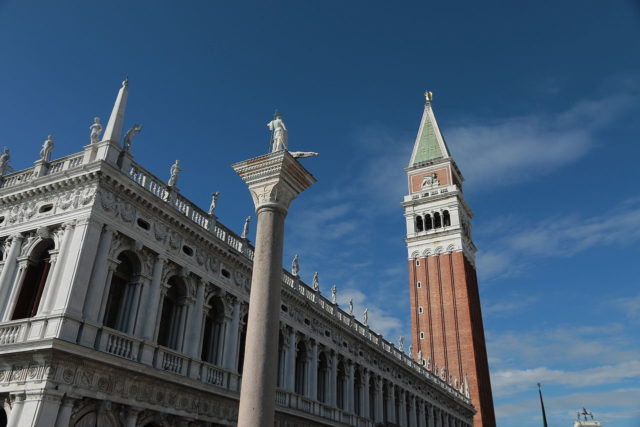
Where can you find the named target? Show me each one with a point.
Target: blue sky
(538, 102)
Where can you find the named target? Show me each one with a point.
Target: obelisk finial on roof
(114, 128)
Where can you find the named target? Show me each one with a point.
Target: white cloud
(510, 381)
(560, 236)
(503, 152)
(379, 319)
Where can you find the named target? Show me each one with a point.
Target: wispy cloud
(514, 149)
(561, 236)
(509, 381)
(379, 319)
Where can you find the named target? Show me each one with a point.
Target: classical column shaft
(259, 371)
(333, 381)
(348, 393)
(231, 339)
(274, 180)
(7, 275)
(98, 281)
(290, 376)
(153, 306)
(312, 390)
(195, 324)
(64, 414)
(15, 290)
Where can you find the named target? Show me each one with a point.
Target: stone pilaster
(274, 180)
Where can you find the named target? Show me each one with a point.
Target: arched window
(174, 314)
(419, 225)
(213, 337)
(357, 391)
(341, 382)
(428, 223)
(35, 277)
(301, 367)
(243, 343)
(120, 311)
(323, 371)
(437, 221)
(385, 402)
(446, 218)
(281, 359)
(372, 398)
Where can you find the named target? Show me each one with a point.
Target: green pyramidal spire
(429, 143)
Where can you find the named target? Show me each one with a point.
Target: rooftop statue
(128, 137)
(4, 162)
(334, 294)
(214, 202)
(295, 267)
(401, 343)
(351, 306)
(175, 171)
(96, 130)
(365, 317)
(280, 135)
(47, 148)
(245, 229)
(316, 282)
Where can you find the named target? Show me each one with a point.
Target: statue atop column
(4, 162)
(47, 148)
(214, 202)
(280, 135)
(128, 137)
(245, 229)
(175, 171)
(295, 267)
(316, 282)
(96, 130)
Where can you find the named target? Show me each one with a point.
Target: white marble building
(124, 304)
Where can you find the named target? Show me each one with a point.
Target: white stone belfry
(274, 180)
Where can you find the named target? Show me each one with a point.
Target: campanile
(446, 319)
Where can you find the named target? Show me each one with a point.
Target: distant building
(585, 419)
(122, 303)
(446, 320)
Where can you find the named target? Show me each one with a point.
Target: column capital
(274, 179)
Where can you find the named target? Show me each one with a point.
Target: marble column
(364, 395)
(16, 410)
(391, 403)
(274, 180)
(64, 414)
(95, 292)
(6, 277)
(312, 369)
(402, 416)
(379, 400)
(290, 379)
(332, 384)
(348, 394)
(422, 416)
(192, 347)
(154, 306)
(232, 332)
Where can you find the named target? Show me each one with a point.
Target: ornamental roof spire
(115, 126)
(430, 144)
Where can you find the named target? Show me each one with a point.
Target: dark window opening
(121, 294)
(437, 222)
(428, 223)
(225, 273)
(143, 224)
(212, 340)
(34, 280)
(301, 367)
(170, 321)
(187, 250)
(419, 224)
(243, 343)
(446, 218)
(45, 208)
(323, 372)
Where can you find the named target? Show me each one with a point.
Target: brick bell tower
(446, 320)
